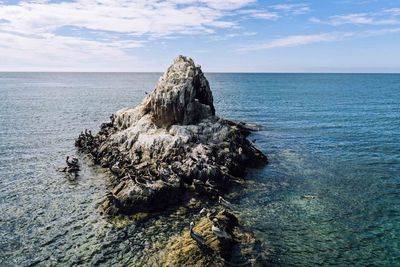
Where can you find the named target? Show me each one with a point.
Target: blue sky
(222, 36)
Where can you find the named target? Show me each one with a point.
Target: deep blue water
(332, 136)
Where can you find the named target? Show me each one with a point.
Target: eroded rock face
(182, 95)
(170, 144)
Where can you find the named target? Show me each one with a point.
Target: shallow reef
(183, 250)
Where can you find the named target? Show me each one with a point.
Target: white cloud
(150, 17)
(260, 14)
(241, 34)
(292, 8)
(49, 44)
(226, 4)
(289, 41)
(51, 51)
(385, 17)
(35, 31)
(277, 11)
(393, 11)
(298, 40)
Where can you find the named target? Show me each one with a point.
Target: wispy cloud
(241, 34)
(392, 11)
(299, 40)
(292, 8)
(275, 12)
(260, 14)
(384, 17)
(290, 41)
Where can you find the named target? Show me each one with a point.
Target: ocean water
(330, 195)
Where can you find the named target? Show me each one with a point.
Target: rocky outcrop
(170, 145)
(182, 95)
(238, 248)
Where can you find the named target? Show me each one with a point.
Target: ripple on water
(332, 136)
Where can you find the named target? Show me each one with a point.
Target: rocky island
(171, 148)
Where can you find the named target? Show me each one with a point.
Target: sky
(220, 35)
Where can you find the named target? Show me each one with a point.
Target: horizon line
(212, 72)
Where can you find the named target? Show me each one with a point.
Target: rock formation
(182, 250)
(170, 145)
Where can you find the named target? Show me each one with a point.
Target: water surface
(335, 137)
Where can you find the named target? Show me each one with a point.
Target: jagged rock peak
(182, 95)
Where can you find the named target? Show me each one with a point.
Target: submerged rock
(238, 248)
(171, 144)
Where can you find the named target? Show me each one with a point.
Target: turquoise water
(335, 137)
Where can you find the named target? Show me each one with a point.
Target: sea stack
(171, 145)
